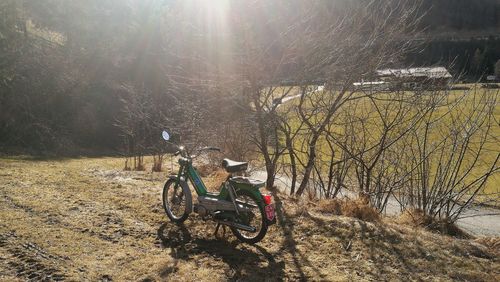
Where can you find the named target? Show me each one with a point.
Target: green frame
(188, 172)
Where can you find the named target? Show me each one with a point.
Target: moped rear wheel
(255, 217)
(176, 200)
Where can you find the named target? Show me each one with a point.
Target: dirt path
(85, 219)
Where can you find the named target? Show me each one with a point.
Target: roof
(432, 72)
(369, 83)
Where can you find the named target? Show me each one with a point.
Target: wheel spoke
(253, 217)
(175, 201)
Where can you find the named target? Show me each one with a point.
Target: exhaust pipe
(237, 225)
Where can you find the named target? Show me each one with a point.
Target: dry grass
(358, 208)
(206, 169)
(215, 179)
(492, 243)
(417, 218)
(87, 219)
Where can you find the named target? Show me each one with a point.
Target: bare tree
(453, 154)
(375, 124)
(290, 128)
(346, 50)
(268, 125)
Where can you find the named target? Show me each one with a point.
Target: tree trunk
(309, 166)
(293, 163)
(270, 177)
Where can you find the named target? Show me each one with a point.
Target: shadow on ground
(244, 261)
(310, 246)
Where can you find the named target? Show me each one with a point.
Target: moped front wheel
(177, 200)
(254, 217)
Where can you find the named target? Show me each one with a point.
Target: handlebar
(182, 151)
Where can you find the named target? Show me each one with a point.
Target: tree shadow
(377, 241)
(289, 243)
(245, 262)
(384, 242)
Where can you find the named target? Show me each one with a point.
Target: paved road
(478, 220)
(293, 97)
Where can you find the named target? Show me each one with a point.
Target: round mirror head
(165, 135)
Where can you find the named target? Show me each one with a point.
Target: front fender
(185, 189)
(174, 177)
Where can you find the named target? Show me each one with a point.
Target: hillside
(86, 219)
(461, 15)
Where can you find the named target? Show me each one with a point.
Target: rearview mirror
(165, 135)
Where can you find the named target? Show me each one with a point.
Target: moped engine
(200, 209)
(208, 205)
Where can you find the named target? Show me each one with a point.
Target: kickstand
(217, 231)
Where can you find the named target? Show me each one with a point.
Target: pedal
(218, 215)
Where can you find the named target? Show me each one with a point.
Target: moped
(239, 204)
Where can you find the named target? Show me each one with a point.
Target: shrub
(492, 243)
(358, 208)
(418, 218)
(214, 179)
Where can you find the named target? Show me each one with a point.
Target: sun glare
(210, 19)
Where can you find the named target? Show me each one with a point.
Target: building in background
(492, 78)
(411, 78)
(372, 86)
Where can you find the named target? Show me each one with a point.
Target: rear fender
(252, 189)
(260, 200)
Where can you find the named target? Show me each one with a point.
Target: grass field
(468, 100)
(86, 219)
